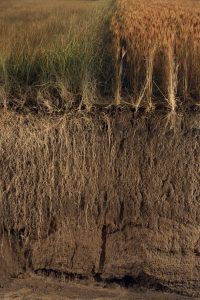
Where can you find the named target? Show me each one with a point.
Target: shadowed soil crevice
(103, 249)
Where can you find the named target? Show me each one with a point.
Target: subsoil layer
(112, 197)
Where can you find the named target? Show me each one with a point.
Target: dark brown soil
(120, 204)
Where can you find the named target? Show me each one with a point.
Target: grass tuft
(162, 44)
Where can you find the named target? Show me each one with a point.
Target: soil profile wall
(112, 196)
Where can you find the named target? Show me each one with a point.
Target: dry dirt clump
(158, 47)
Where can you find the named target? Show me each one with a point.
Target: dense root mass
(103, 196)
(157, 52)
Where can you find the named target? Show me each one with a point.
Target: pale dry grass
(162, 44)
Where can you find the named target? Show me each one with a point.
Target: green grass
(55, 54)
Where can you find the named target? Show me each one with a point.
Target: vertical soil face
(109, 196)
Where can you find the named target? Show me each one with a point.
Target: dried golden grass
(162, 44)
(59, 55)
